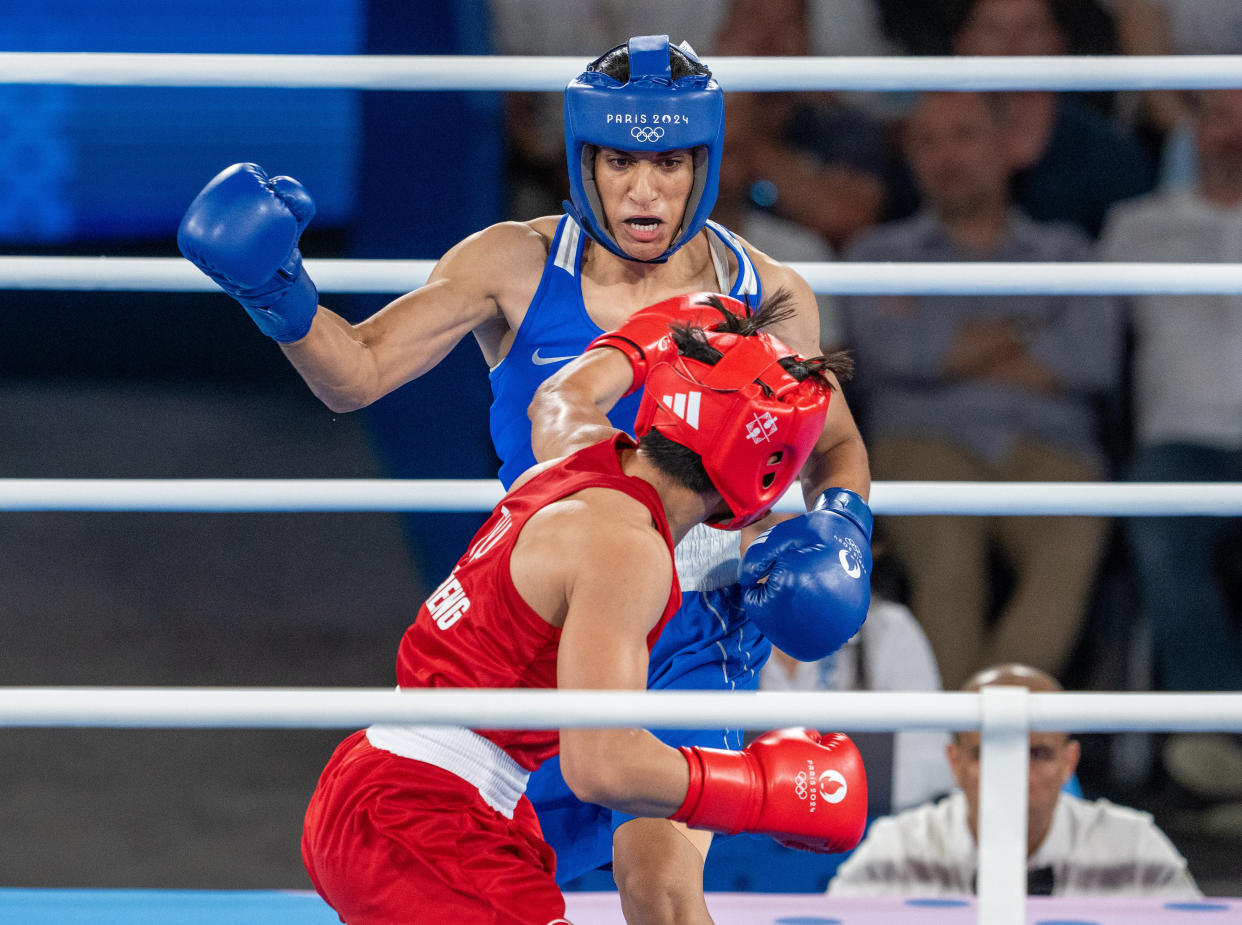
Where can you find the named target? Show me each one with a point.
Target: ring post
(1004, 724)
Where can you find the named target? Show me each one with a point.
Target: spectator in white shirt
(1075, 847)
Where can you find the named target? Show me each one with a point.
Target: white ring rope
(172, 274)
(852, 711)
(1104, 499)
(547, 73)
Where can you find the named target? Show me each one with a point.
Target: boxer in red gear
(428, 823)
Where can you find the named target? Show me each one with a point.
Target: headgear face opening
(649, 112)
(751, 422)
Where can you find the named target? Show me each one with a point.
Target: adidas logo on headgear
(685, 405)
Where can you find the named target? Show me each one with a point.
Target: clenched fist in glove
(804, 790)
(806, 583)
(243, 230)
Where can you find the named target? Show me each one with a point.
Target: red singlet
(423, 824)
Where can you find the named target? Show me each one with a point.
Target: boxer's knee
(658, 868)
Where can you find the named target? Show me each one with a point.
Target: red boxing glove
(805, 791)
(644, 338)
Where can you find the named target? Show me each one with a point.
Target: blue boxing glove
(242, 230)
(806, 583)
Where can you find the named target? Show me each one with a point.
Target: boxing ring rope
(1004, 715)
(548, 73)
(346, 708)
(1103, 499)
(172, 274)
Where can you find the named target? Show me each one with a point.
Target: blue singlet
(709, 645)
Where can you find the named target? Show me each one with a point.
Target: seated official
(1075, 847)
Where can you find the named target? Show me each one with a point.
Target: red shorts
(393, 841)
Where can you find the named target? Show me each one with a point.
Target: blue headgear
(651, 112)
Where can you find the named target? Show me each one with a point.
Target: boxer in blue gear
(645, 124)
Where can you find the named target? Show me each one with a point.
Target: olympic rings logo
(647, 132)
(829, 779)
(801, 785)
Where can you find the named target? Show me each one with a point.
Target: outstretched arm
(569, 410)
(348, 366)
(243, 231)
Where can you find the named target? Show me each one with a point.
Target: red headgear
(753, 440)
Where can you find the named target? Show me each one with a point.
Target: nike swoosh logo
(544, 361)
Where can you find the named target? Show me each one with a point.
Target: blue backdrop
(110, 170)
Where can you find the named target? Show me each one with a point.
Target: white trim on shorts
(500, 780)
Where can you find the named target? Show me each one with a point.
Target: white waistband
(500, 780)
(707, 558)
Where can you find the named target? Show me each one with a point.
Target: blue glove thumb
(296, 199)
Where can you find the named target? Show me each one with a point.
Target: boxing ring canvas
(263, 907)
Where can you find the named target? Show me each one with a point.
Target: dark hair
(683, 464)
(678, 462)
(616, 63)
(778, 307)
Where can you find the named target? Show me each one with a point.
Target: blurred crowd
(982, 388)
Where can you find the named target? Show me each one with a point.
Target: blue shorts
(709, 646)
